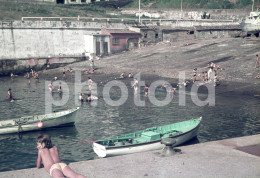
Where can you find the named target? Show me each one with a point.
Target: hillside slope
(14, 10)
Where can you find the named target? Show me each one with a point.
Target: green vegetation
(10, 10)
(15, 9)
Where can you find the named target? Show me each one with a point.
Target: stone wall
(217, 33)
(19, 66)
(220, 14)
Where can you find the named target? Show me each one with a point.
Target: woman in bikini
(48, 156)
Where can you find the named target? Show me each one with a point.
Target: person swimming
(59, 89)
(50, 87)
(81, 97)
(88, 99)
(10, 95)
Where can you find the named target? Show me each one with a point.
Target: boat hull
(252, 23)
(251, 28)
(40, 122)
(103, 151)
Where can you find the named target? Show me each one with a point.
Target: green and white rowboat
(148, 139)
(38, 122)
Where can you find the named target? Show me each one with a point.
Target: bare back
(48, 157)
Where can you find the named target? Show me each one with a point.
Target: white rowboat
(38, 122)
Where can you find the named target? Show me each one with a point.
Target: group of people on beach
(124, 75)
(90, 97)
(70, 70)
(51, 87)
(92, 68)
(209, 76)
(28, 75)
(146, 88)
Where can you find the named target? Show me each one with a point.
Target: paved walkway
(237, 157)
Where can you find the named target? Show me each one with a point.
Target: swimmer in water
(50, 87)
(10, 95)
(59, 89)
(81, 97)
(88, 99)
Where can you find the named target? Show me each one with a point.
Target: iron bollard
(168, 149)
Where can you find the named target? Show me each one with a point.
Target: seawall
(236, 157)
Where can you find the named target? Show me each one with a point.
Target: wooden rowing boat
(38, 122)
(148, 139)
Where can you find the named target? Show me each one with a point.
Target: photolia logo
(137, 85)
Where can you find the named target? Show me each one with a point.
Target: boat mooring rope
(19, 123)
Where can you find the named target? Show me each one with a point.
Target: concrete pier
(236, 157)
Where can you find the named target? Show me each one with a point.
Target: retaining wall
(44, 39)
(219, 14)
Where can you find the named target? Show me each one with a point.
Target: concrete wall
(221, 14)
(43, 39)
(40, 39)
(173, 36)
(151, 36)
(217, 33)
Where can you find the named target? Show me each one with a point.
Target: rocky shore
(235, 56)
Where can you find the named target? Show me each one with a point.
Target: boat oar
(87, 141)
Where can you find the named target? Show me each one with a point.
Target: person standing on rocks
(257, 61)
(194, 75)
(12, 76)
(211, 74)
(135, 85)
(92, 66)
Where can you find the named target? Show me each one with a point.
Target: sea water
(232, 116)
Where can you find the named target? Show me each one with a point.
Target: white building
(97, 45)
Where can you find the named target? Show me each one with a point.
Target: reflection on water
(231, 117)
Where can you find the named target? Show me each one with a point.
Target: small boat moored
(38, 122)
(251, 25)
(148, 139)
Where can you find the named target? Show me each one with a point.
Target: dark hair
(46, 140)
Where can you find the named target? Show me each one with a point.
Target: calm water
(231, 117)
